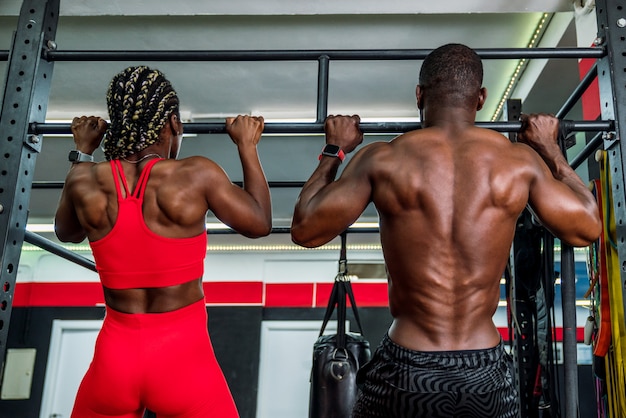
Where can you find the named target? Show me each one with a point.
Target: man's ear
(419, 92)
(482, 96)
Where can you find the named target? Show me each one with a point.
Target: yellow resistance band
(616, 385)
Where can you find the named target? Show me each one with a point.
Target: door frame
(59, 327)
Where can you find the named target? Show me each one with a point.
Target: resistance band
(614, 360)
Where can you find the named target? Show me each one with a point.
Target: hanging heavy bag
(338, 357)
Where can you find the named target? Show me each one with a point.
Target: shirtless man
(448, 197)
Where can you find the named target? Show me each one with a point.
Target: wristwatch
(331, 150)
(79, 157)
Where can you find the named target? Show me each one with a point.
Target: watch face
(331, 149)
(77, 156)
(73, 155)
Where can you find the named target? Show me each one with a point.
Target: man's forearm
(564, 173)
(324, 174)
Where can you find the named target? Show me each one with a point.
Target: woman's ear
(175, 124)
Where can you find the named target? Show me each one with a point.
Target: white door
(285, 367)
(71, 350)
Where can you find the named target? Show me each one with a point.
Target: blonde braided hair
(140, 100)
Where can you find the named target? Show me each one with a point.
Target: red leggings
(163, 362)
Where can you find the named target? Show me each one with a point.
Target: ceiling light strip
(521, 64)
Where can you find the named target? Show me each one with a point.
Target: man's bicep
(333, 209)
(556, 205)
(355, 189)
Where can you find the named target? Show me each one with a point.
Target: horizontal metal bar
(577, 126)
(318, 128)
(56, 249)
(4, 55)
(306, 55)
(48, 184)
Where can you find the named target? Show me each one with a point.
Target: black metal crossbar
(294, 55)
(309, 55)
(318, 127)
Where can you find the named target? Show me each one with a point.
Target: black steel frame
(25, 99)
(33, 53)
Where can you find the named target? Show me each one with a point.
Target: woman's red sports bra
(132, 256)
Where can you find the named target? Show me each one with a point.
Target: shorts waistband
(465, 358)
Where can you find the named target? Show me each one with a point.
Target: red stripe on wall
(365, 294)
(371, 294)
(90, 294)
(58, 294)
(281, 295)
(323, 294)
(234, 293)
(277, 295)
(558, 334)
(580, 334)
(591, 97)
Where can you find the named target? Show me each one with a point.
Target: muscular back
(177, 197)
(448, 198)
(448, 203)
(174, 205)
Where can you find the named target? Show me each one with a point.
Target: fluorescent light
(364, 225)
(216, 226)
(41, 228)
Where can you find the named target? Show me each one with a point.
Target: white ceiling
(287, 90)
(294, 7)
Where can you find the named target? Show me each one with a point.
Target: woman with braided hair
(143, 212)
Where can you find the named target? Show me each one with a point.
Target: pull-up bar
(310, 55)
(318, 127)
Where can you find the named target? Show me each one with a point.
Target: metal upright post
(568, 302)
(570, 357)
(611, 17)
(322, 88)
(521, 316)
(25, 100)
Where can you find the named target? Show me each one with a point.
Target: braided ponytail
(140, 100)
